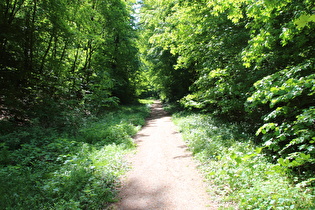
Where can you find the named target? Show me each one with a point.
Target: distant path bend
(164, 176)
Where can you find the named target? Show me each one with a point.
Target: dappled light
(163, 175)
(78, 80)
(139, 198)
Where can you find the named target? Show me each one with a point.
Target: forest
(238, 76)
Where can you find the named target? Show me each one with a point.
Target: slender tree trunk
(46, 53)
(63, 51)
(54, 51)
(73, 68)
(29, 37)
(32, 37)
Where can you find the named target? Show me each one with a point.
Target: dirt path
(163, 175)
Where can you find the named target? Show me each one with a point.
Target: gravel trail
(163, 174)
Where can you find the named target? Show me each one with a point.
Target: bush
(42, 168)
(239, 169)
(288, 99)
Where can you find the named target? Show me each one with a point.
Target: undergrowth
(239, 169)
(41, 168)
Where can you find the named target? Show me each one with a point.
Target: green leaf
(303, 20)
(258, 150)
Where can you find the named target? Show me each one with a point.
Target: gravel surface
(163, 174)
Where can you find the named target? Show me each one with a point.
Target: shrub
(288, 131)
(239, 169)
(42, 168)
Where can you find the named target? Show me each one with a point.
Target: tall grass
(238, 168)
(51, 170)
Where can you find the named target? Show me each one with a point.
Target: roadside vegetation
(69, 68)
(250, 64)
(239, 170)
(41, 168)
(68, 74)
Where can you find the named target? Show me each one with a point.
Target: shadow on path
(140, 198)
(157, 111)
(164, 175)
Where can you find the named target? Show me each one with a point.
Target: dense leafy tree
(241, 59)
(251, 60)
(283, 46)
(171, 83)
(65, 53)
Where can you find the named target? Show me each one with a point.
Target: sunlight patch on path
(164, 176)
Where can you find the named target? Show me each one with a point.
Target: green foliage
(289, 124)
(303, 20)
(115, 128)
(42, 168)
(239, 169)
(247, 60)
(57, 55)
(158, 59)
(88, 178)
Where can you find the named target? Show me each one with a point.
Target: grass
(41, 168)
(239, 169)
